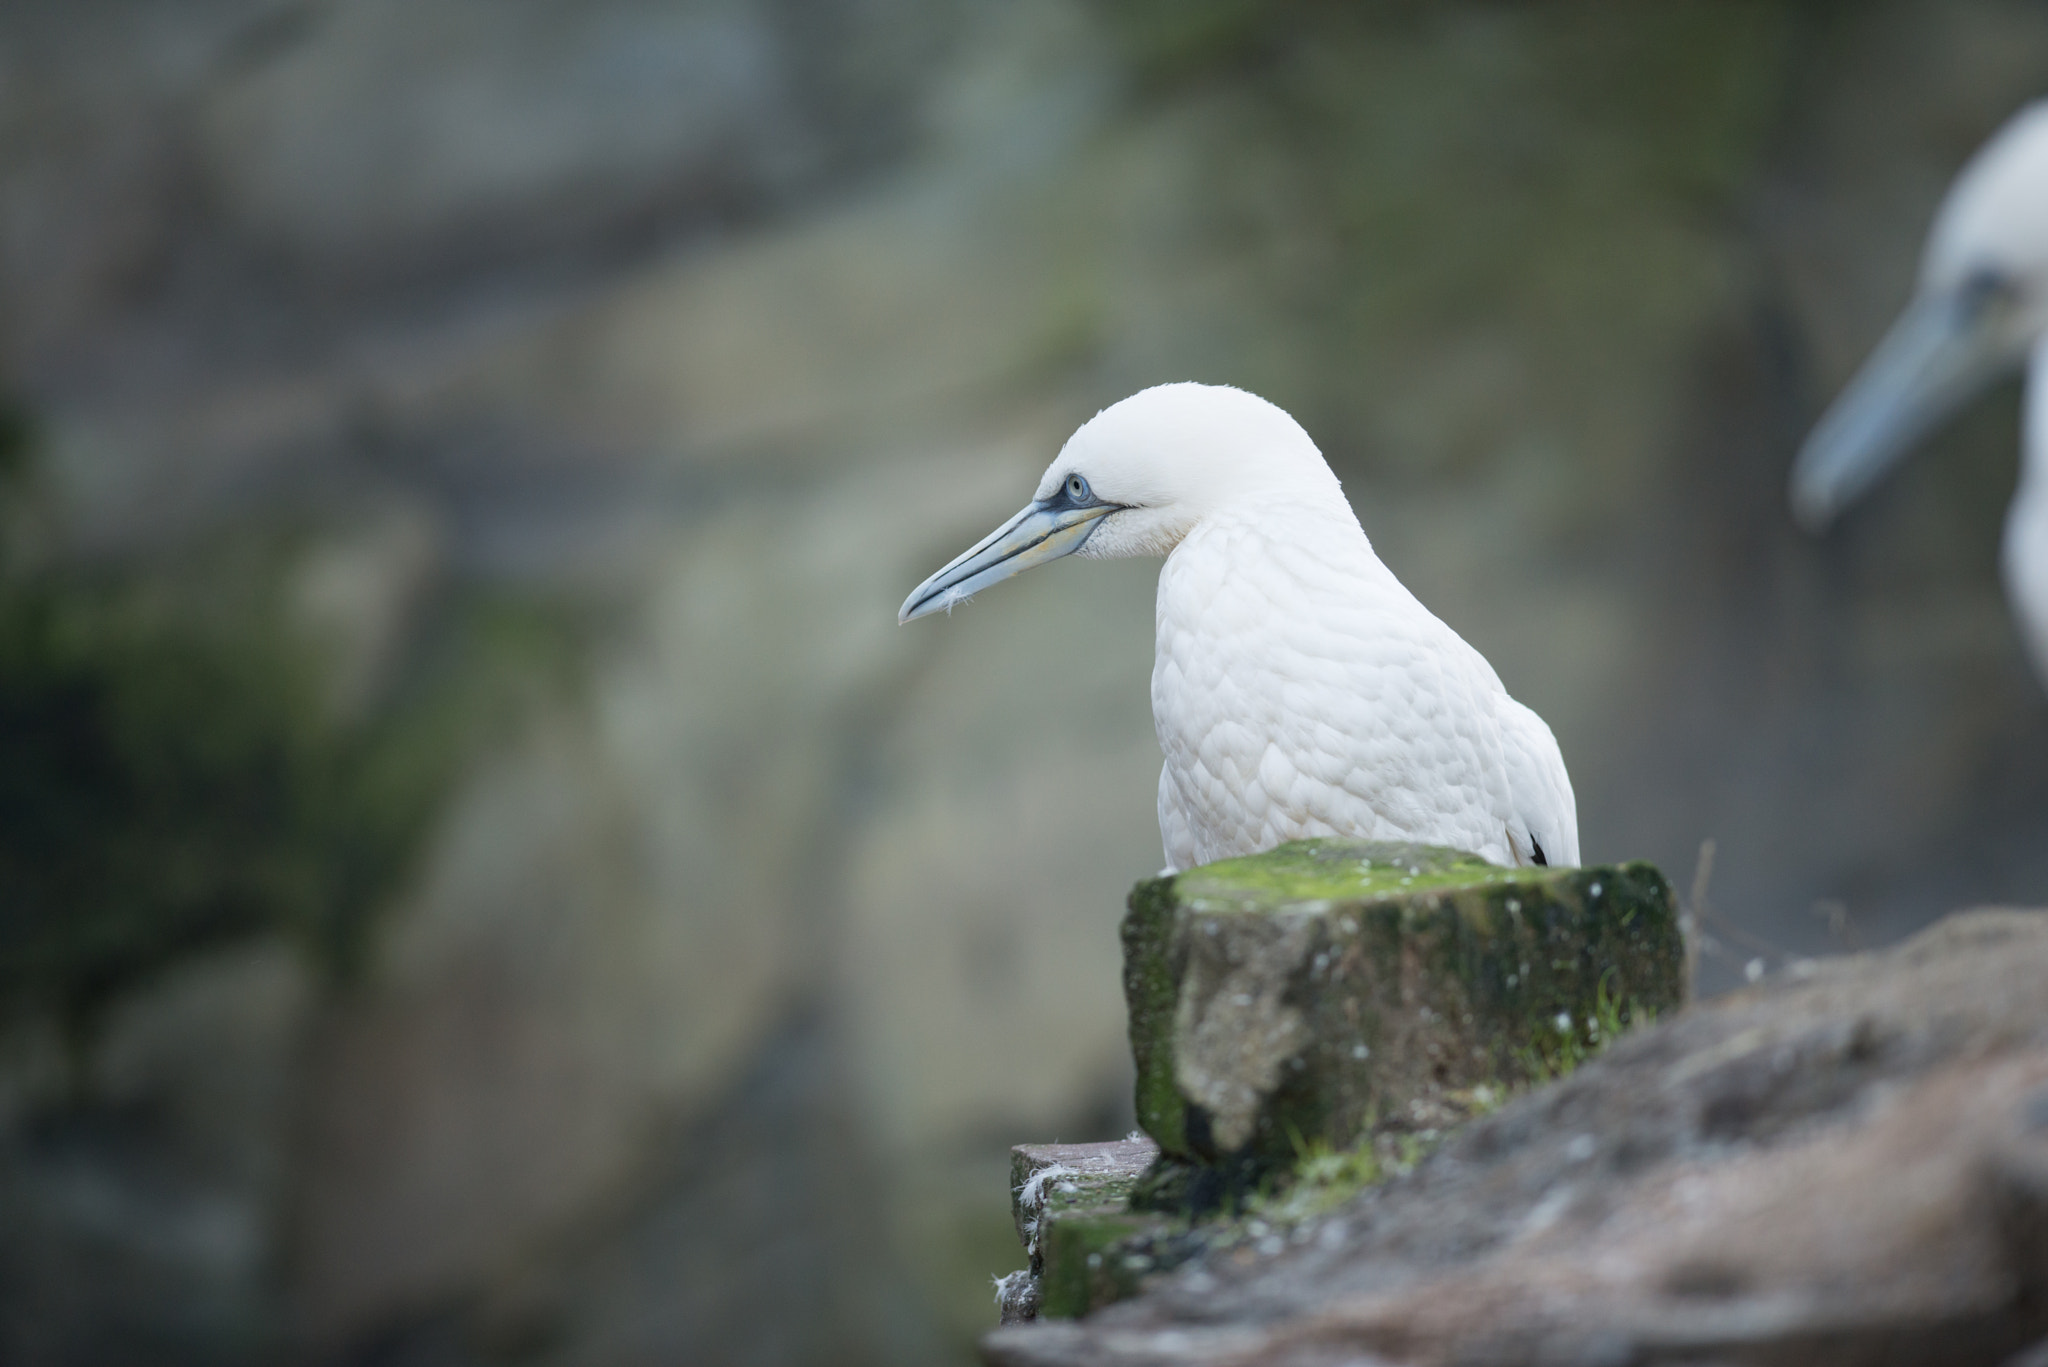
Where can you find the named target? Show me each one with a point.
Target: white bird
(1297, 688)
(1980, 310)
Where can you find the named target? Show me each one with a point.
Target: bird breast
(1299, 690)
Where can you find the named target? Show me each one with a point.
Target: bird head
(1137, 478)
(1982, 302)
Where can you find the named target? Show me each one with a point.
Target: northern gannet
(1297, 688)
(1980, 310)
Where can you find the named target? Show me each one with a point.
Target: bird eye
(1984, 289)
(1077, 488)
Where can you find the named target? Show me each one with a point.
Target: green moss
(1333, 871)
(1564, 972)
(1557, 1053)
(1151, 980)
(1322, 1179)
(1091, 1257)
(1094, 1260)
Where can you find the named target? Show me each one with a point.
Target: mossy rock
(1097, 1231)
(1097, 1259)
(1071, 1207)
(1330, 990)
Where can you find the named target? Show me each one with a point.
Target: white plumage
(1297, 688)
(1980, 309)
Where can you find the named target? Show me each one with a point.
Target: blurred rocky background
(483, 878)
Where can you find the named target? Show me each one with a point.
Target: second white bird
(1298, 689)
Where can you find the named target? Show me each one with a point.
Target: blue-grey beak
(1044, 531)
(1944, 349)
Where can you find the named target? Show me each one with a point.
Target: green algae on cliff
(176, 778)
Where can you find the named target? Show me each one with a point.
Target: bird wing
(1174, 830)
(1300, 690)
(1540, 812)
(1540, 788)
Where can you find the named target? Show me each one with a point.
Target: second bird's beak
(1946, 347)
(1043, 531)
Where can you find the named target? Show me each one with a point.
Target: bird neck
(1304, 505)
(1272, 524)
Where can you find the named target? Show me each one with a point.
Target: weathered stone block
(1330, 989)
(1071, 1205)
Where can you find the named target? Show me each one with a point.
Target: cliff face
(1845, 1165)
(548, 404)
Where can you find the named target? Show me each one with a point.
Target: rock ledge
(1846, 1164)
